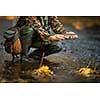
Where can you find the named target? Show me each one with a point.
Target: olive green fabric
(10, 37)
(26, 38)
(48, 49)
(10, 34)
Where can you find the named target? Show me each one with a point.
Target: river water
(76, 54)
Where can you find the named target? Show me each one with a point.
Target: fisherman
(43, 34)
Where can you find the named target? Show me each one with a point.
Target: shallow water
(76, 54)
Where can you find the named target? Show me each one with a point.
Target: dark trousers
(31, 38)
(47, 49)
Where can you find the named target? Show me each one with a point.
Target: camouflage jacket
(44, 25)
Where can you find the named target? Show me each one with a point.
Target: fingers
(70, 33)
(71, 36)
(68, 36)
(76, 36)
(57, 37)
(60, 37)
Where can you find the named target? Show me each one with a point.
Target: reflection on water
(11, 71)
(21, 72)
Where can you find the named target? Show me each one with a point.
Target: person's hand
(67, 36)
(57, 37)
(71, 36)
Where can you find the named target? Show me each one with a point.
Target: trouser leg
(47, 49)
(26, 42)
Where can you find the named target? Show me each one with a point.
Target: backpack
(12, 42)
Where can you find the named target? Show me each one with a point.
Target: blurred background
(78, 22)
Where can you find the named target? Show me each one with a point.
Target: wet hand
(71, 36)
(57, 37)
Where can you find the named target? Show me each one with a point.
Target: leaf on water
(87, 72)
(42, 74)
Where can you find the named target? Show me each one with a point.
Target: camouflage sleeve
(38, 27)
(56, 25)
(21, 21)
